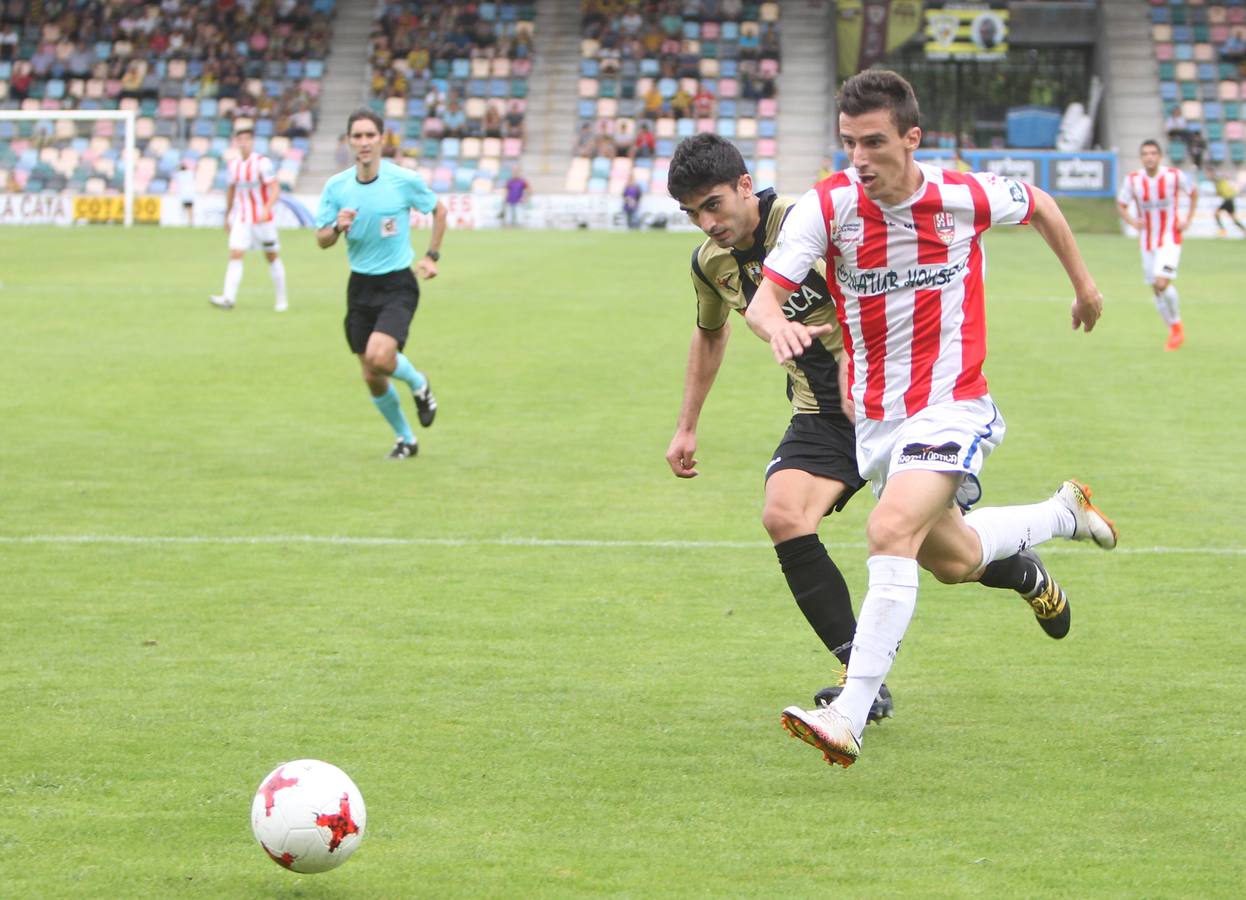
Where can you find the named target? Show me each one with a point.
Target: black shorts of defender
(824, 445)
(1227, 205)
(383, 303)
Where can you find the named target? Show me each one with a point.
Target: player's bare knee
(888, 532)
(783, 521)
(947, 571)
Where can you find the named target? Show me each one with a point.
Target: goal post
(128, 117)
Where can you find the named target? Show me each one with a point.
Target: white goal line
(351, 541)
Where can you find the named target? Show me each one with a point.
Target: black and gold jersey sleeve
(726, 280)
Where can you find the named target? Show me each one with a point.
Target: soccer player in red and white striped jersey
(249, 200)
(1155, 191)
(905, 263)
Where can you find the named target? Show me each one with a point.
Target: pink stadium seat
(768, 68)
(766, 147)
(511, 147)
(176, 68)
(1234, 131)
(188, 108)
(621, 167)
(95, 88)
(767, 108)
(1216, 15)
(588, 87)
(1204, 53)
(1237, 15)
(1229, 90)
(728, 88)
(30, 104)
(144, 128)
(1163, 52)
(501, 67)
(1219, 34)
(77, 88)
(689, 85)
(710, 31)
(704, 125)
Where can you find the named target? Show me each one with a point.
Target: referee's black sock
(1016, 572)
(820, 591)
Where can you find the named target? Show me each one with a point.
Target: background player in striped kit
(813, 471)
(905, 263)
(249, 201)
(1155, 191)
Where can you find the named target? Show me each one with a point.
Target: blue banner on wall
(1090, 174)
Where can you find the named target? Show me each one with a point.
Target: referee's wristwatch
(433, 255)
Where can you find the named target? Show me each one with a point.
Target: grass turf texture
(554, 719)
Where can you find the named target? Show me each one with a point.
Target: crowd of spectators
(226, 47)
(655, 51)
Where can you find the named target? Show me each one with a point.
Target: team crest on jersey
(752, 269)
(945, 226)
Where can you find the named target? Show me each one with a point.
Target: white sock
(1161, 304)
(233, 278)
(885, 615)
(1174, 306)
(277, 269)
(1005, 530)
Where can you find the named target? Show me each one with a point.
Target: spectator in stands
(493, 122)
(516, 193)
(301, 123)
(703, 103)
(645, 145)
(1176, 126)
(1234, 47)
(19, 83)
(454, 120)
(681, 103)
(631, 202)
(8, 43)
(433, 101)
(1197, 145)
(514, 120)
(586, 140)
(187, 189)
(653, 101)
(631, 21)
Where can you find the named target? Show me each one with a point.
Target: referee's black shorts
(824, 445)
(383, 303)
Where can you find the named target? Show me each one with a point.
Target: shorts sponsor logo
(1016, 192)
(944, 453)
(945, 226)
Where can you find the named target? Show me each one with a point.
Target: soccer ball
(308, 816)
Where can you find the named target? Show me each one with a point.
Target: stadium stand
(1201, 49)
(193, 71)
(451, 82)
(655, 73)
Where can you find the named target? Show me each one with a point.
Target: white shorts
(1162, 262)
(254, 236)
(945, 437)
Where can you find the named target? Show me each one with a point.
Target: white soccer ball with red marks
(308, 816)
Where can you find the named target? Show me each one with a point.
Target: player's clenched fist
(345, 218)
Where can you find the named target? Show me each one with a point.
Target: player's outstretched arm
(426, 266)
(1049, 221)
(787, 339)
(705, 356)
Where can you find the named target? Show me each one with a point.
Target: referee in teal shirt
(371, 204)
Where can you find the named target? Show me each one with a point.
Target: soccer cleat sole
(798, 729)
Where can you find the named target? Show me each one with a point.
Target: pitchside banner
(966, 31)
(867, 30)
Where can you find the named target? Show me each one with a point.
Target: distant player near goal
(249, 202)
(1154, 191)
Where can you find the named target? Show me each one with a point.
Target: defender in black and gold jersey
(813, 471)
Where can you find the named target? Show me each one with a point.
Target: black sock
(820, 592)
(1015, 573)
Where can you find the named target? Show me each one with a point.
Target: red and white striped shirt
(907, 281)
(1156, 202)
(253, 181)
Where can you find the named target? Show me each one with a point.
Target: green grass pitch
(552, 668)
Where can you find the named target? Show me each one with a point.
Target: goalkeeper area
(551, 667)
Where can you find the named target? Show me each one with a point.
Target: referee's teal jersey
(379, 240)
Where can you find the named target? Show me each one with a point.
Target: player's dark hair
(876, 89)
(246, 129)
(365, 113)
(1151, 142)
(701, 162)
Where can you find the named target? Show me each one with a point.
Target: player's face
(1150, 158)
(727, 212)
(882, 156)
(365, 141)
(246, 144)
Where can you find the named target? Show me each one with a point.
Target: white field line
(349, 541)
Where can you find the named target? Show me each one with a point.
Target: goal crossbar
(128, 116)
